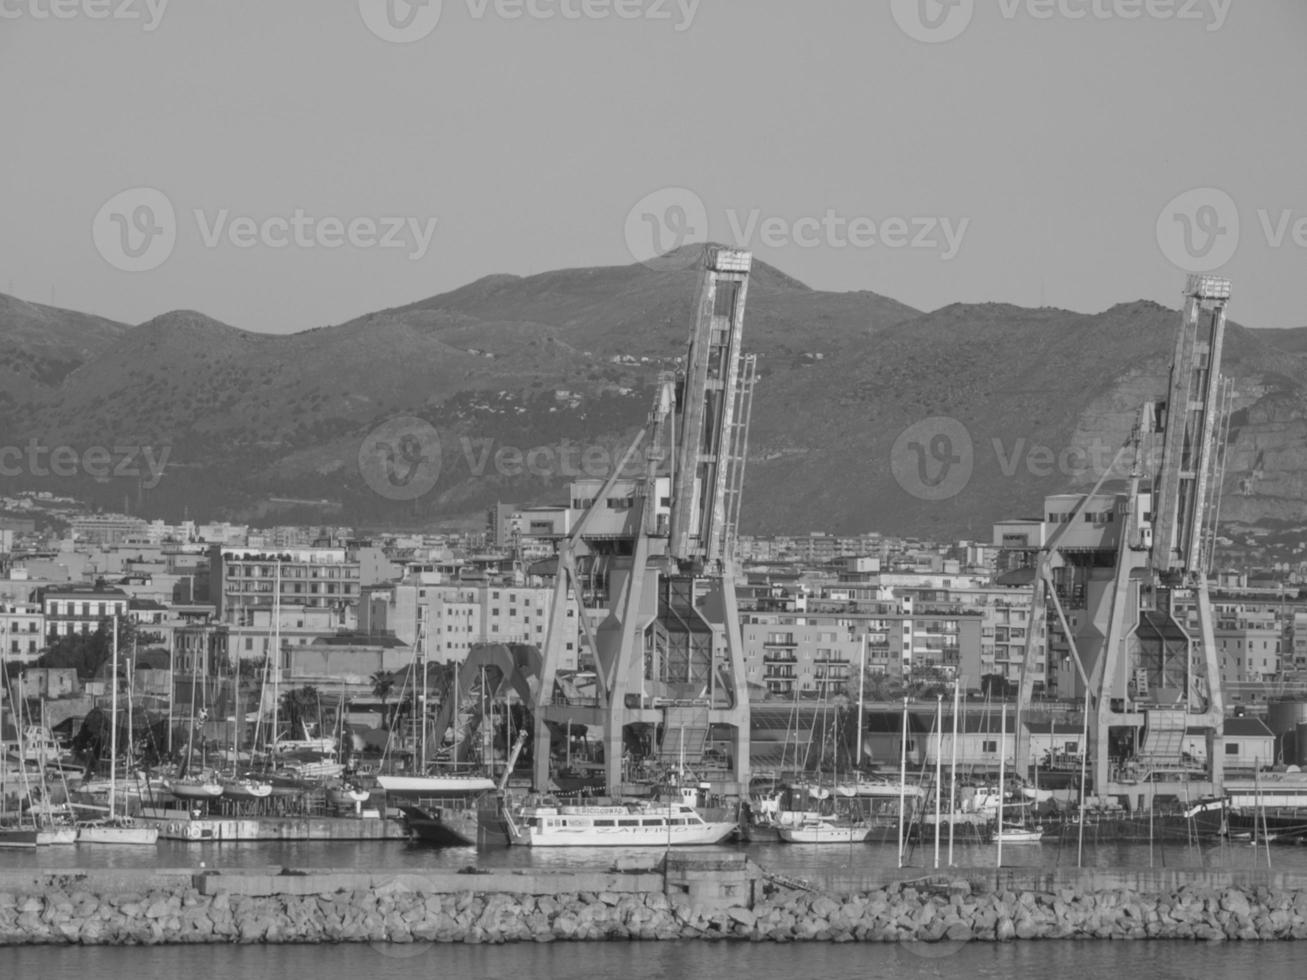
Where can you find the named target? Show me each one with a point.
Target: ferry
(633, 824)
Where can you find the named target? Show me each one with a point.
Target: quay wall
(127, 907)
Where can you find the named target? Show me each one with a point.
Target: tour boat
(631, 824)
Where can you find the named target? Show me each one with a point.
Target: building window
(989, 745)
(1231, 748)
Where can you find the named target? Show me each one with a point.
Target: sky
(286, 164)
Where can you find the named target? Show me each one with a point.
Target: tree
(300, 707)
(996, 686)
(382, 683)
(87, 653)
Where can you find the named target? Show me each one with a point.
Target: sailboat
(115, 829)
(815, 827)
(237, 787)
(1006, 833)
(12, 835)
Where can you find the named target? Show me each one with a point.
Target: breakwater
(180, 907)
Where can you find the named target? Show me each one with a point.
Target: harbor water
(830, 866)
(1087, 960)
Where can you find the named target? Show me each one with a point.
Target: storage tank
(1287, 718)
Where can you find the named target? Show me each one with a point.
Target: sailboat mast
(862, 678)
(422, 638)
(171, 687)
(276, 655)
(113, 721)
(903, 777)
(1002, 778)
(953, 772)
(939, 761)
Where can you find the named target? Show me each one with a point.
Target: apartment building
(317, 578)
(445, 619)
(80, 609)
(22, 631)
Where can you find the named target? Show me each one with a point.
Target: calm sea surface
(1097, 960)
(823, 864)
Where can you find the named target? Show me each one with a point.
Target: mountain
(991, 406)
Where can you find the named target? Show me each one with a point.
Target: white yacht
(631, 824)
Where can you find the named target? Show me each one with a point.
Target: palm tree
(300, 705)
(382, 683)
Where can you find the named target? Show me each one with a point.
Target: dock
(221, 829)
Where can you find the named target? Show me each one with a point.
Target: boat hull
(18, 837)
(441, 826)
(823, 834)
(145, 836)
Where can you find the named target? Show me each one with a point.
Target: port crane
(1121, 577)
(649, 565)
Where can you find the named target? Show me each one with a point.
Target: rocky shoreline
(952, 911)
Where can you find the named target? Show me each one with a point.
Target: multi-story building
(815, 653)
(318, 578)
(22, 631)
(109, 528)
(445, 619)
(80, 609)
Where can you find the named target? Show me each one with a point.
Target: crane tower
(649, 567)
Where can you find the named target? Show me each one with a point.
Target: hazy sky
(349, 155)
